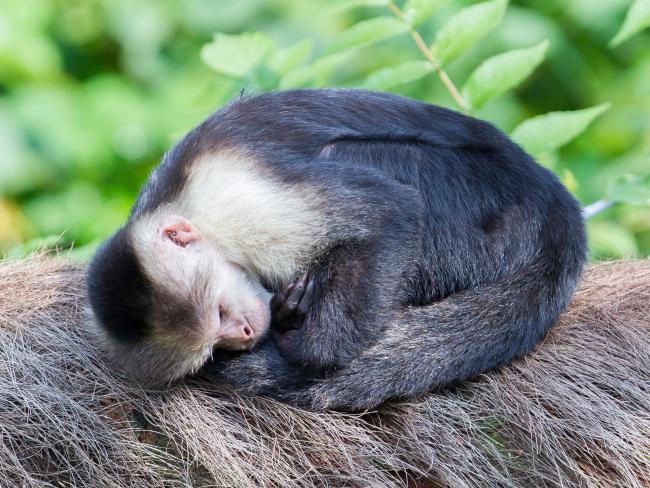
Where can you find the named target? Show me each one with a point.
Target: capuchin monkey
(335, 249)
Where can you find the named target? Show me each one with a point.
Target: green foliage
(418, 11)
(315, 73)
(637, 19)
(285, 60)
(368, 32)
(92, 92)
(386, 78)
(466, 28)
(236, 55)
(339, 6)
(546, 133)
(630, 189)
(610, 240)
(500, 73)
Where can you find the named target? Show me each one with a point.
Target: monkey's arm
(361, 279)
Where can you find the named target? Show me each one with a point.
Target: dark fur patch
(490, 223)
(120, 293)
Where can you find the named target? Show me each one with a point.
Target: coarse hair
(574, 413)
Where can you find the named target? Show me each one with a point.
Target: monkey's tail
(456, 338)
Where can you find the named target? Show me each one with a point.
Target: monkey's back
(489, 209)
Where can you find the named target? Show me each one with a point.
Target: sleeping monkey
(401, 247)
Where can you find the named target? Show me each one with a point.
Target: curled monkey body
(408, 247)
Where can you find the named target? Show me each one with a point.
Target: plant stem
(595, 208)
(395, 9)
(426, 52)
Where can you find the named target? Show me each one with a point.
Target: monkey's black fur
(452, 252)
(120, 275)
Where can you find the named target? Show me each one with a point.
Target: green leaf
(315, 71)
(630, 189)
(262, 78)
(549, 160)
(368, 32)
(466, 27)
(636, 19)
(236, 55)
(289, 58)
(386, 78)
(545, 133)
(496, 75)
(417, 11)
(339, 6)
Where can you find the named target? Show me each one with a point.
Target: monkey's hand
(290, 306)
(298, 331)
(306, 330)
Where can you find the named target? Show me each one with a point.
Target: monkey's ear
(178, 230)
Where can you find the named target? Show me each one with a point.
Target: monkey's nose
(248, 332)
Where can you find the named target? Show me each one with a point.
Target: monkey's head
(165, 297)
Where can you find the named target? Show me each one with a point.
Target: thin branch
(460, 101)
(595, 208)
(426, 52)
(395, 9)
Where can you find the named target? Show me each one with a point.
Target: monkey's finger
(307, 296)
(296, 293)
(280, 298)
(281, 315)
(277, 302)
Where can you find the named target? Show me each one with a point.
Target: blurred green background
(92, 92)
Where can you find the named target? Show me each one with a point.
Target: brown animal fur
(575, 413)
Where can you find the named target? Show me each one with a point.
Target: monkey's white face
(220, 304)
